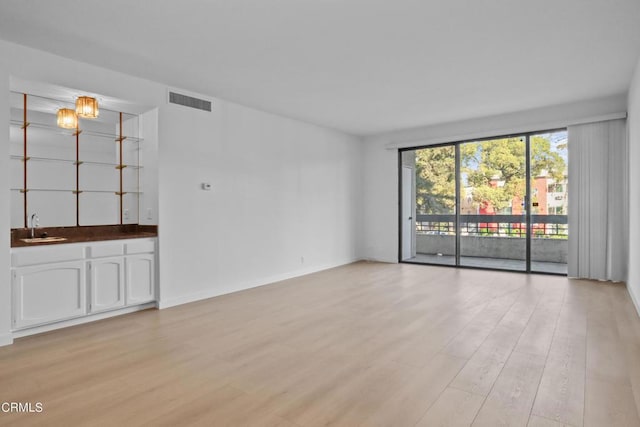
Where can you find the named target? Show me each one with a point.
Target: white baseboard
(6, 339)
(185, 299)
(382, 261)
(635, 301)
(80, 320)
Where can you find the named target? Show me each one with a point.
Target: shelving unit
(74, 162)
(70, 132)
(89, 155)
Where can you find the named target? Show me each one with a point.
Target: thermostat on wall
(206, 186)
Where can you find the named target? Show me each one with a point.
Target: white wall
(380, 171)
(5, 214)
(148, 199)
(633, 123)
(282, 189)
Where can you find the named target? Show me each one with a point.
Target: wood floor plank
(538, 334)
(453, 408)
(350, 401)
(628, 323)
(609, 404)
(409, 404)
(560, 396)
(365, 344)
(605, 351)
(483, 368)
(536, 421)
(511, 398)
(474, 334)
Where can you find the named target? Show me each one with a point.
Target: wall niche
(88, 175)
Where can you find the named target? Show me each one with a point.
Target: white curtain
(598, 209)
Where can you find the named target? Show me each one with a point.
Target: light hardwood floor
(366, 344)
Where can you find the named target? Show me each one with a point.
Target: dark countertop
(93, 233)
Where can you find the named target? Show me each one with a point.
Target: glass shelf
(72, 132)
(43, 189)
(116, 192)
(114, 165)
(42, 159)
(41, 102)
(75, 172)
(73, 162)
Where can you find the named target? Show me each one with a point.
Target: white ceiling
(361, 66)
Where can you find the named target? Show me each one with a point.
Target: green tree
(495, 169)
(436, 180)
(544, 158)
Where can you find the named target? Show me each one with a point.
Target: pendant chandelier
(87, 107)
(67, 118)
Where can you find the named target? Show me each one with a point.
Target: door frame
(403, 218)
(456, 144)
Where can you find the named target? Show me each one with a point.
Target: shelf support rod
(78, 162)
(121, 194)
(25, 157)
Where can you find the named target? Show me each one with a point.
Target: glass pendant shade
(67, 118)
(87, 107)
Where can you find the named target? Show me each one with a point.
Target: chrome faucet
(34, 224)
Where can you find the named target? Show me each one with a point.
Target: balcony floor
(497, 263)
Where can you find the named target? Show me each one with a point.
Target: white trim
(635, 301)
(504, 131)
(380, 260)
(185, 299)
(6, 339)
(80, 320)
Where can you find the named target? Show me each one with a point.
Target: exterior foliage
(436, 180)
(494, 170)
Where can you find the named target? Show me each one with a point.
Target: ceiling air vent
(189, 101)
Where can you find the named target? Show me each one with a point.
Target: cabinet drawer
(106, 250)
(141, 247)
(45, 255)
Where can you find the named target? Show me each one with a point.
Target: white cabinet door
(140, 281)
(106, 278)
(48, 292)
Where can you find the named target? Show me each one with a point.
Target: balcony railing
(543, 226)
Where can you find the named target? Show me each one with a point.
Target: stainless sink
(44, 239)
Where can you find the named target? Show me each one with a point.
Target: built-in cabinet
(140, 284)
(60, 282)
(106, 279)
(48, 293)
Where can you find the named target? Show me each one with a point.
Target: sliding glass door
(493, 220)
(549, 187)
(431, 173)
(495, 203)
